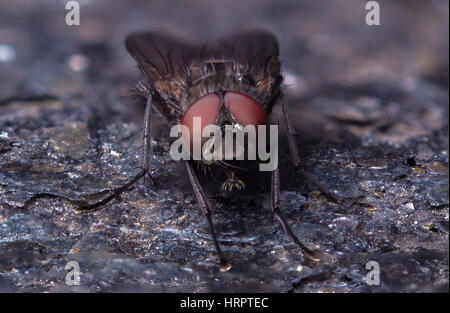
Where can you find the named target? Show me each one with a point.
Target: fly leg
(291, 135)
(275, 203)
(145, 163)
(207, 212)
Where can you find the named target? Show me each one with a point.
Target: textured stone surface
(370, 106)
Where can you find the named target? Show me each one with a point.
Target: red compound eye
(207, 108)
(244, 109)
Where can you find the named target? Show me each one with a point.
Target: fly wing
(257, 51)
(254, 48)
(159, 56)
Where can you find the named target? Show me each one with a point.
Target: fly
(235, 82)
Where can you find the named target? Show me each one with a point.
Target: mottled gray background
(370, 105)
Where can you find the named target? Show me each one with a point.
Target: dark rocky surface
(370, 105)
